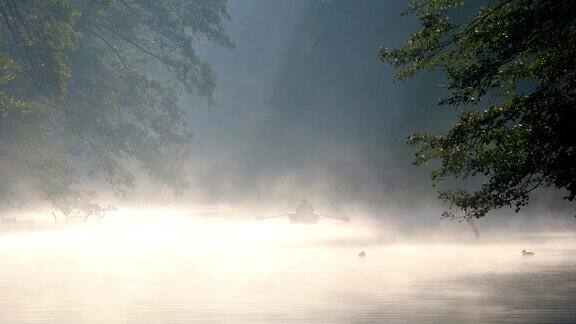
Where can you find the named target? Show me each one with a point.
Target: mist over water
(186, 268)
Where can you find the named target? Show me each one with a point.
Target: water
(277, 273)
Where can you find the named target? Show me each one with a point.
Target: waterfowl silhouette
(526, 253)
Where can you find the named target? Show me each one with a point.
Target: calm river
(277, 273)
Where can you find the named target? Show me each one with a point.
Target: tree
(90, 88)
(511, 68)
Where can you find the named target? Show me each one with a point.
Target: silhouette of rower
(304, 214)
(304, 207)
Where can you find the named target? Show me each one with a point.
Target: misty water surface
(183, 271)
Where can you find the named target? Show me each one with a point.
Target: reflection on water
(189, 272)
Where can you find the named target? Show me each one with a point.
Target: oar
(268, 217)
(345, 219)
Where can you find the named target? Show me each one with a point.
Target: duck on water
(527, 253)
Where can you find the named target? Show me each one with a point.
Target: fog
(326, 122)
(303, 109)
(173, 265)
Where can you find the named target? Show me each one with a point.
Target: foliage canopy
(91, 87)
(511, 67)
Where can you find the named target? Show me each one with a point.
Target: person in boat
(304, 213)
(304, 207)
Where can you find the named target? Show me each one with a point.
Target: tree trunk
(470, 222)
